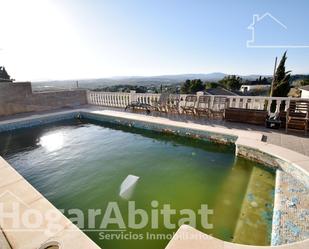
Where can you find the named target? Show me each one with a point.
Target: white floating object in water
(127, 186)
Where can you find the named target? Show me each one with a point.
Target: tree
(196, 86)
(192, 86)
(261, 81)
(211, 85)
(185, 88)
(4, 76)
(231, 82)
(281, 82)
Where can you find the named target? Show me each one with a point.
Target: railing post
(237, 102)
(229, 102)
(246, 102)
(88, 97)
(278, 105)
(269, 105)
(287, 104)
(132, 96)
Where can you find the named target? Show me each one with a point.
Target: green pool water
(81, 165)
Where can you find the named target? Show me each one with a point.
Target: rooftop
(306, 88)
(219, 91)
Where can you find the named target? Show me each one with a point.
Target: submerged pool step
(232, 191)
(291, 210)
(255, 219)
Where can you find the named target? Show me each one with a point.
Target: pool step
(232, 191)
(255, 219)
(291, 210)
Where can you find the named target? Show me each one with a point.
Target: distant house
(219, 91)
(304, 92)
(245, 89)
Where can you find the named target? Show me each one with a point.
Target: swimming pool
(81, 164)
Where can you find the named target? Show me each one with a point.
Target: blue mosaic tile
(36, 121)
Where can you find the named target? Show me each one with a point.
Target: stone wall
(18, 98)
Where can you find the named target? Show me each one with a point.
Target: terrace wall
(18, 98)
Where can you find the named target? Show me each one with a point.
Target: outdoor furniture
(189, 106)
(249, 116)
(297, 116)
(203, 106)
(173, 103)
(218, 107)
(162, 104)
(135, 105)
(273, 121)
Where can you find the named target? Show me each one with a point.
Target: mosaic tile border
(193, 133)
(36, 121)
(290, 221)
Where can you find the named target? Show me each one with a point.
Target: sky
(78, 39)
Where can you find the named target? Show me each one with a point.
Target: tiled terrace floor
(296, 141)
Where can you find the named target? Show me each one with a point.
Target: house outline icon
(258, 18)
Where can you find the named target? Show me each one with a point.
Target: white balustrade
(119, 99)
(108, 99)
(147, 98)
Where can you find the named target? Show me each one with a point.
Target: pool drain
(51, 245)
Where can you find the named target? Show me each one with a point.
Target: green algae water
(81, 165)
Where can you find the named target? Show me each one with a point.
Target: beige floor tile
(3, 163)
(8, 175)
(45, 222)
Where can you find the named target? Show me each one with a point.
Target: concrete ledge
(16, 192)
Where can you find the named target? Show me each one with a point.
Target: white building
(254, 88)
(304, 92)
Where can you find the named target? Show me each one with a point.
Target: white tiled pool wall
(203, 135)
